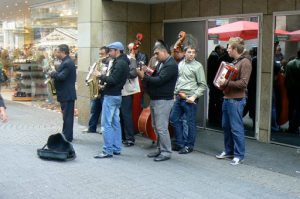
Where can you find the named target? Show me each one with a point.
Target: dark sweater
(1, 102)
(117, 77)
(161, 85)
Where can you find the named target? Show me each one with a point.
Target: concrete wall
(100, 23)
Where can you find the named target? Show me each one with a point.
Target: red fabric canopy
(281, 32)
(244, 29)
(295, 35)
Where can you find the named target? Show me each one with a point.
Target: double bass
(137, 98)
(145, 120)
(178, 46)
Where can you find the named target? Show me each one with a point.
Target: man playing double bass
(160, 87)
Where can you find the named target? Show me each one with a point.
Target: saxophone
(49, 81)
(93, 81)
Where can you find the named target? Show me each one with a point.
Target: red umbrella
(295, 35)
(244, 29)
(281, 32)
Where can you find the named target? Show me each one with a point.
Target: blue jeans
(110, 124)
(232, 123)
(184, 112)
(96, 108)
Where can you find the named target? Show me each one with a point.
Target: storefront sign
(213, 37)
(282, 37)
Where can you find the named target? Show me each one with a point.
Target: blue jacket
(64, 80)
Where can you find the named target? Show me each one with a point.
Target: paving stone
(131, 175)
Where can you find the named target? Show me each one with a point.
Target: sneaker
(236, 161)
(103, 155)
(223, 155)
(185, 150)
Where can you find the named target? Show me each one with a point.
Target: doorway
(220, 30)
(196, 35)
(285, 112)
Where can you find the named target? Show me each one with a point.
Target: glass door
(196, 35)
(285, 114)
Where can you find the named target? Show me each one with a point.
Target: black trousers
(294, 110)
(67, 108)
(126, 118)
(215, 106)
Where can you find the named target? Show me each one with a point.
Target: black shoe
(103, 155)
(128, 143)
(88, 131)
(161, 158)
(153, 154)
(117, 153)
(185, 150)
(176, 148)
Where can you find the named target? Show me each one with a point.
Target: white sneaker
(223, 155)
(236, 161)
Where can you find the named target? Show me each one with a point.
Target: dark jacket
(162, 83)
(1, 101)
(292, 75)
(141, 57)
(212, 68)
(117, 76)
(64, 80)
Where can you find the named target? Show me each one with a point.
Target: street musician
(234, 103)
(96, 103)
(64, 81)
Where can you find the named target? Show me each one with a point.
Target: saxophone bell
(49, 81)
(92, 80)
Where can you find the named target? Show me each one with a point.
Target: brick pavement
(131, 175)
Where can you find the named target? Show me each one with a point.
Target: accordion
(227, 71)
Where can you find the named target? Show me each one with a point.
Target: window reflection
(285, 114)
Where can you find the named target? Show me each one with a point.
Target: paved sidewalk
(131, 175)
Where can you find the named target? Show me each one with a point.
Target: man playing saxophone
(96, 103)
(64, 81)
